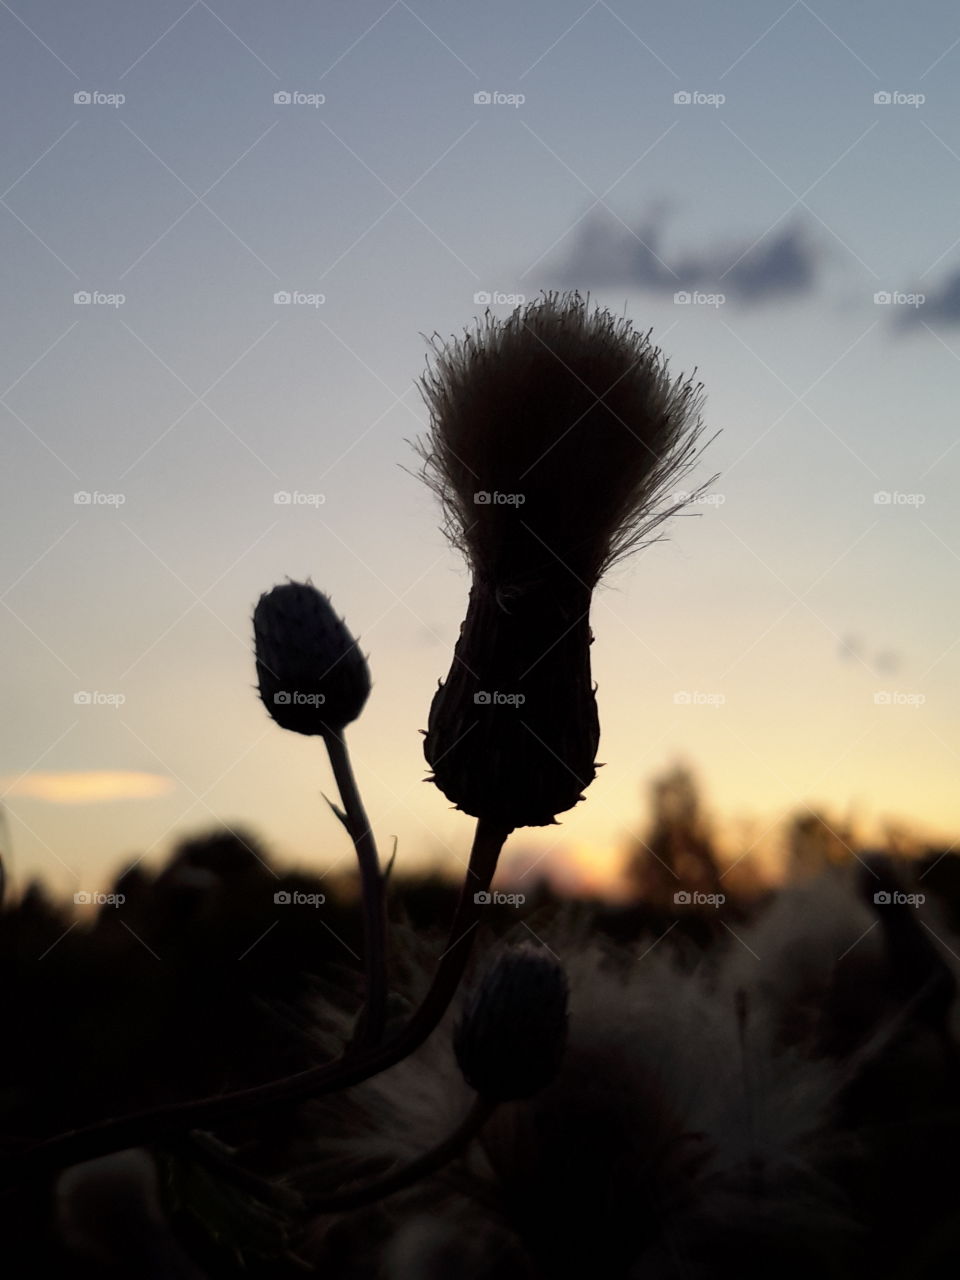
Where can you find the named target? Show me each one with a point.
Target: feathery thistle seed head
(511, 1034)
(311, 674)
(556, 436)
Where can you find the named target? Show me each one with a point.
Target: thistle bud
(512, 1031)
(311, 674)
(513, 731)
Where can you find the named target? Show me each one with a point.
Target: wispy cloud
(778, 264)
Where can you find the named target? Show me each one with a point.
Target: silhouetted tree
(678, 853)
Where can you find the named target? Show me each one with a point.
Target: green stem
(373, 1018)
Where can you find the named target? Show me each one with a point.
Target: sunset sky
(794, 173)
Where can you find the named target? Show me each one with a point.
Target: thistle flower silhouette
(555, 437)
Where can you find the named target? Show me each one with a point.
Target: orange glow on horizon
(89, 786)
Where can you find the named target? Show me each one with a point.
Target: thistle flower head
(555, 437)
(510, 1038)
(311, 674)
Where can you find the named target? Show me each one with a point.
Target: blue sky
(791, 601)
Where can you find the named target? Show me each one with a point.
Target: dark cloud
(779, 264)
(606, 252)
(945, 303)
(883, 662)
(940, 303)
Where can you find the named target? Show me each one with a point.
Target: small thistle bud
(512, 1031)
(311, 674)
(557, 440)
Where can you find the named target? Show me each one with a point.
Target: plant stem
(373, 1018)
(156, 1123)
(420, 1167)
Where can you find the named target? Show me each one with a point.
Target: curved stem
(156, 1123)
(373, 1018)
(420, 1167)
